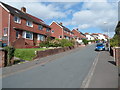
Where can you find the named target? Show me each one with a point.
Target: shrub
(85, 41)
(114, 41)
(57, 43)
(66, 43)
(10, 54)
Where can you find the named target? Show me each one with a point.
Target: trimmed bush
(85, 41)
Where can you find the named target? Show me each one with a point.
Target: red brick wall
(4, 17)
(58, 31)
(67, 34)
(0, 23)
(117, 56)
(23, 26)
(76, 33)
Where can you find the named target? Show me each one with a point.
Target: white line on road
(87, 80)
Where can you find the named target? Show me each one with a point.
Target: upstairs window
(29, 23)
(52, 31)
(40, 27)
(48, 30)
(17, 19)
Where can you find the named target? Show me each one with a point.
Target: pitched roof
(65, 28)
(26, 16)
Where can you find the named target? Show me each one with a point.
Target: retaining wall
(116, 51)
(40, 54)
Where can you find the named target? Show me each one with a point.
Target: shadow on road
(112, 62)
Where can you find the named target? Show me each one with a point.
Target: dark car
(100, 47)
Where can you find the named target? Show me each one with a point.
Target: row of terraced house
(22, 30)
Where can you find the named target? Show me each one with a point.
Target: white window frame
(40, 37)
(52, 31)
(47, 29)
(25, 33)
(40, 27)
(18, 19)
(29, 23)
(5, 32)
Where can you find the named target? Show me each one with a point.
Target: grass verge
(27, 54)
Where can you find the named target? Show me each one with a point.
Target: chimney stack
(60, 23)
(77, 29)
(23, 9)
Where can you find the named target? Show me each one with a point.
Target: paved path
(105, 74)
(67, 71)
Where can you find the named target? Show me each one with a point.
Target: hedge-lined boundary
(40, 54)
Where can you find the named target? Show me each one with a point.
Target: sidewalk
(106, 73)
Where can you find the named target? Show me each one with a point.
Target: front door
(35, 39)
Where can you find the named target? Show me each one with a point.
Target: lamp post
(108, 36)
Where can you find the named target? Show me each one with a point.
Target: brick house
(21, 29)
(60, 31)
(78, 35)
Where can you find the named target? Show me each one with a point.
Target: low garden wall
(40, 54)
(116, 53)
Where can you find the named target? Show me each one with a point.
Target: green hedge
(85, 41)
(57, 43)
(115, 41)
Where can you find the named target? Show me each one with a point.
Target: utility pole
(108, 36)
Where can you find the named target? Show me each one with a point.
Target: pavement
(105, 74)
(79, 68)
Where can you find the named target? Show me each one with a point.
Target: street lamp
(108, 36)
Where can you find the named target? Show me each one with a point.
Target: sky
(92, 16)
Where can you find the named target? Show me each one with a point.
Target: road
(67, 71)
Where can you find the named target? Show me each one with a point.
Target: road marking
(88, 78)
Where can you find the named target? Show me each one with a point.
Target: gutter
(9, 29)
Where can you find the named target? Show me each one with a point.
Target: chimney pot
(60, 23)
(23, 9)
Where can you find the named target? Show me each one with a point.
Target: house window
(17, 19)
(47, 29)
(40, 27)
(60, 36)
(28, 35)
(29, 23)
(41, 37)
(52, 31)
(5, 31)
(17, 34)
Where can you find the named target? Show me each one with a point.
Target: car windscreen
(100, 45)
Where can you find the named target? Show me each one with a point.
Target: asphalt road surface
(67, 71)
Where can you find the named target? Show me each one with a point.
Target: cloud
(39, 9)
(94, 14)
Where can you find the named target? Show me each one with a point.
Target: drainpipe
(9, 29)
(62, 33)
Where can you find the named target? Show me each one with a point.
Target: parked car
(100, 47)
